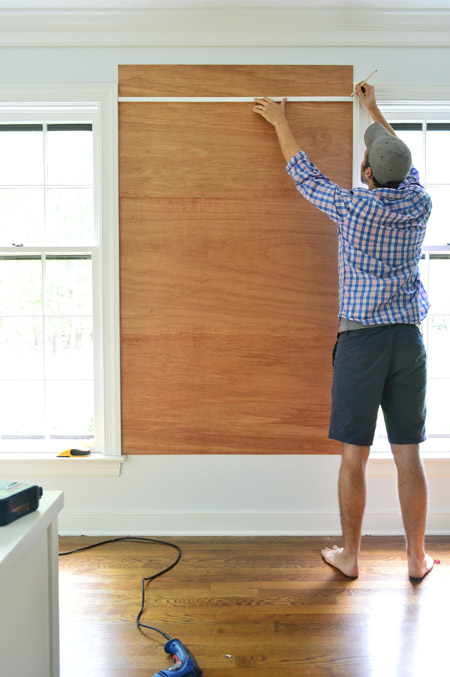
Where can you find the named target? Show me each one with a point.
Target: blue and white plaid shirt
(380, 235)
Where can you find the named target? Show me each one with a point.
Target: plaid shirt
(380, 235)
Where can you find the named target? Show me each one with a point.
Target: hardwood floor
(253, 606)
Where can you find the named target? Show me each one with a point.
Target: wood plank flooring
(253, 607)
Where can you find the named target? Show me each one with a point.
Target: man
(379, 357)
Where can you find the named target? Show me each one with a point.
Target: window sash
(50, 121)
(44, 378)
(68, 103)
(421, 116)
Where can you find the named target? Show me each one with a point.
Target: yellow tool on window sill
(76, 452)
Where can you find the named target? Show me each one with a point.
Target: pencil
(364, 81)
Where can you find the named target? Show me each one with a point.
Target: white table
(29, 615)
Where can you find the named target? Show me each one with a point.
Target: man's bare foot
(337, 558)
(418, 568)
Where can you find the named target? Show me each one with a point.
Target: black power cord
(145, 580)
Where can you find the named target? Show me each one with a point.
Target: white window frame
(101, 101)
(401, 103)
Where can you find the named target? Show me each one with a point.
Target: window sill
(382, 464)
(19, 465)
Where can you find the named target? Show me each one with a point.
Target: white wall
(99, 64)
(225, 494)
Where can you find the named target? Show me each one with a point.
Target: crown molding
(226, 26)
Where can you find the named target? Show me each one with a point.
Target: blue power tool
(184, 663)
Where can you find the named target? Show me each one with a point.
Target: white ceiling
(184, 4)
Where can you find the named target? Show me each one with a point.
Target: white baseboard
(188, 524)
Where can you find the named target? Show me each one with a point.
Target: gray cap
(389, 157)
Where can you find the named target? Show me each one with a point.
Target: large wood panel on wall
(229, 293)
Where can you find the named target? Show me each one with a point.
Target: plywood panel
(217, 150)
(236, 80)
(226, 392)
(228, 277)
(234, 265)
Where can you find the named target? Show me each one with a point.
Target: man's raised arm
(366, 96)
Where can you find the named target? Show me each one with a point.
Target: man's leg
(413, 495)
(352, 501)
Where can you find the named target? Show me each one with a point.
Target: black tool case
(17, 500)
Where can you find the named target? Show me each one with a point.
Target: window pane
(21, 216)
(438, 150)
(439, 347)
(46, 300)
(22, 153)
(70, 155)
(70, 408)
(438, 420)
(414, 141)
(69, 348)
(68, 286)
(21, 348)
(20, 286)
(438, 286)
(438, 228)
(70, 216)
(22, 408)
(381, 442)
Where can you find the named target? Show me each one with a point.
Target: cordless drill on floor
(184, 663)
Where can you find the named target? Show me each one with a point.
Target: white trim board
(233, 524)
(47, 465)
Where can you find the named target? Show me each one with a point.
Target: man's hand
(275, 114)
(369, 102)
(270, 110)
(366, 95)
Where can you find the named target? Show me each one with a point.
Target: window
(58, 273)
(427, 133)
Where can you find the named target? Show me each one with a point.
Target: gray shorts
(379, 366)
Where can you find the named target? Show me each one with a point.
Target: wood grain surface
(238, 265)
(222, 150)
(238, 80)
(253, 607)
(227, 393)
(228, 279)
